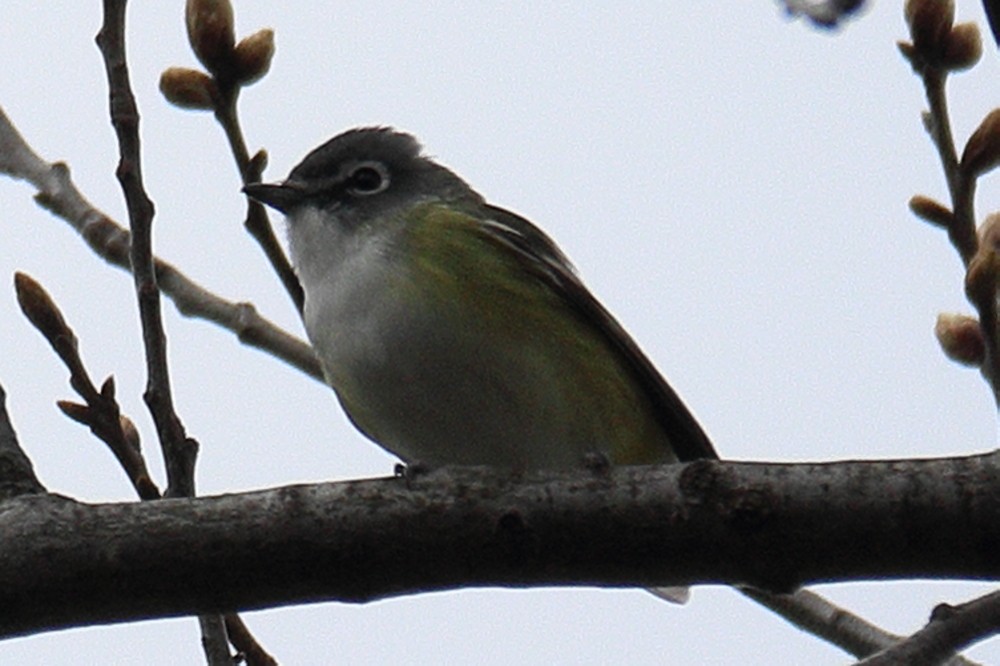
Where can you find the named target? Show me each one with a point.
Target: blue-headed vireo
(456, 332)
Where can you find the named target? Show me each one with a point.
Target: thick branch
(771, 526)
(16, 474)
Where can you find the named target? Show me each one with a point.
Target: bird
(456, 332)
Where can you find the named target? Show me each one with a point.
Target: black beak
(281, 196)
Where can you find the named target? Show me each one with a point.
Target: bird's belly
(433, 392)
(425, 378)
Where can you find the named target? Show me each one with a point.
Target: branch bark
(63, 563)
(17, 477)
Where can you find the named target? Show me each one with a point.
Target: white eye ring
(368, 178)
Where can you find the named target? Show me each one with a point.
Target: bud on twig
(984, 268)
(931, 211)
(188, 88)
(989, 234)
(982, 151)
(129, 433)
(258, 162)
(74, 410)
(961, 338)
(252, 58)
(962, 47)
(108, 388)
(930, 22)
(41, 310)
(211, 32)
(908, 50)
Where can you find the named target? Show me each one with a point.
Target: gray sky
(731, 185)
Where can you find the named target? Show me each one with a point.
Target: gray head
(363, 171)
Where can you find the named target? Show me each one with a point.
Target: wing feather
(541, 255)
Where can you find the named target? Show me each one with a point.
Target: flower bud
(982, 151)
(989, 234)
(931, 211)
(984, 268)
(40, 309)
(930, 22)
(962, 47)
(961, 338)
(74, 410)
(258, 162)
(129, 432)
(253, 56)
(909, 52)
(108, 388)
(211, 32)
(188, 88)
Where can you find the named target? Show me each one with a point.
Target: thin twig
(103, 415)
(214, 641)
(816, 615)
(257, 222)
(101, 412)
(110, 241)
(962, 230)
(125, 120)
(961, 224)
(230, 66)
(244, 642)
(811, 612)
(951, 629)
(179, 450)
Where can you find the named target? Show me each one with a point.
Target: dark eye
(368, 178)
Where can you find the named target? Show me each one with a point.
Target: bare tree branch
(214, 640)
(814, 614)
(246, 645)
(58, 194)
(865, 638)
(179, 450)
(231, 67)
(770, 526)
(951, 629)
(101, 412)
(937, 49)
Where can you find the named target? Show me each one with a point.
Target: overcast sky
(730, 184)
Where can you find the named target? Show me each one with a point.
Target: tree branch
(110, 241)
(951, 629)
(770, 526)
(231, 66)
(101, 412)
(939, 48)
(16, 474)
(179, 450)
